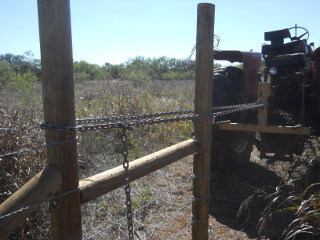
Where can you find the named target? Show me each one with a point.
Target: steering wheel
(302, 29)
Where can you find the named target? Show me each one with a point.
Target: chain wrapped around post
(127, 122)
(148, 119)
(124, 140)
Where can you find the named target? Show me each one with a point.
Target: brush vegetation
(140, 85)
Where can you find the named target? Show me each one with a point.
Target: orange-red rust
(251, 67)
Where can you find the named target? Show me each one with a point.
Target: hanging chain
(130, 121)
(124, 140)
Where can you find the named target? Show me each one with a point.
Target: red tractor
(289, 84)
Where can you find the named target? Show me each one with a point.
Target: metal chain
(215, 47)
(155, 200)
(128, 125)
(130, 117)
(220, 108)
(153, 118)
(124, 140)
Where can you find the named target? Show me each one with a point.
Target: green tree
(158, 67)
(18, 73)
(136, 70)
(23, 84)
(86, 71)
(22, 64)
(114, 71)
(6, 73)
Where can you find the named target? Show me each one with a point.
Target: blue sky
(114, 31)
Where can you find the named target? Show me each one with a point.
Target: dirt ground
(233, 188)
(169, 217)
(237, 186)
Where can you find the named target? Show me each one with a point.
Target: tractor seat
(277, 37)
(288, 59)
(287, 48)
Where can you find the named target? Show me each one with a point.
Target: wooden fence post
(203, 127)
(59, 108)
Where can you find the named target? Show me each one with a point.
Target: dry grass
(298, 194)
(265, 198)
(97, 150)
(156, 196)
(19, 131)
(157, 199)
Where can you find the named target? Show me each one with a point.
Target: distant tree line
(137, 69)
(25, 67)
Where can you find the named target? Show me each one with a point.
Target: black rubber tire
(229, 148)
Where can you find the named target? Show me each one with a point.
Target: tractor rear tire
(229, 148)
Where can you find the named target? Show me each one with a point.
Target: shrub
(86, 71)
(81, 76)
(22, 84)
(137, 77)
(6, 73)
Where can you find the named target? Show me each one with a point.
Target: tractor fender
(251, 67)
(316, 59)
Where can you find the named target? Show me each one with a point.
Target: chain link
(130, 117)
(138, 120)
(215, 47)
(149, 119)
(127, 122)
(124, 140)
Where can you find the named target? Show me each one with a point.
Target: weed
(299, 197)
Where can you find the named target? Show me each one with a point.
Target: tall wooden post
(59, 108)
(203, 127)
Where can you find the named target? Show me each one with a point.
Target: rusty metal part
(263, 127)
(251, 67)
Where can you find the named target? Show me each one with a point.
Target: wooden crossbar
(102, 183)
(41, 187)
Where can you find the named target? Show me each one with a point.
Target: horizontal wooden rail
(102, 183)
(41, 187)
